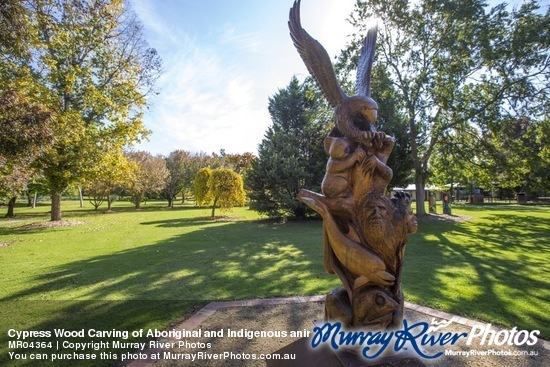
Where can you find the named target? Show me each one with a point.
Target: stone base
(327, 357)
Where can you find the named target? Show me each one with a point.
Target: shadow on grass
(42, 211)
(495, 271)
(31, 223)
(501, 206)
(160, 282)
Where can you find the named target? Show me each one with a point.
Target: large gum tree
(458, 67)
(88, 63)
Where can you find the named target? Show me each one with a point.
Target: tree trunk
(109, 201)
(34, 199)
(80, 197)
(451, 191)
(182, 198)
(419, 183)
(214, 208)
(171, 203)
(138, 198)
(11, 206)
(55, 215)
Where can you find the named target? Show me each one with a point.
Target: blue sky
(222, 60)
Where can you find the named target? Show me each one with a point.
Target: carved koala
(342, 157)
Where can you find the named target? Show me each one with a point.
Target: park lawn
(145, 269)
(494, 267)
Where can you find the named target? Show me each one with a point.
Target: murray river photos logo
(419, 337)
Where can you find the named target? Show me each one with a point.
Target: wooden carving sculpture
(364, 232)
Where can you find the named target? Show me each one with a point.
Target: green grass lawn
(145, 269)
(493, 267)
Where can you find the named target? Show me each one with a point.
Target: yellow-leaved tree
(113, 172)
(227, 189)
(89, 65)
(203, 195)
(222, 188)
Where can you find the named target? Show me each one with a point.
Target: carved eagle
(354, 116)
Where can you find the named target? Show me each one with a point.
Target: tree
(239, 163)
(178, 164)
(36, 185)
(25, 133)
(226, 188)
(96, 192)
(195, 163)
(543, 140)
(509, 108)
(510, 156)
(150, 175)
(291, 155)
(112, 173)
(13, 180)
(219, 187)
(513, 148)
(15, 38)
(203, 193)
(453, 65)
(88, 63)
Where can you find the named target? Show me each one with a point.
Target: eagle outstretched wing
(364, 67)
(315, 58)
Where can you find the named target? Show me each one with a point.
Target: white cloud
(217, 79)
(204, 104)
(247, 41)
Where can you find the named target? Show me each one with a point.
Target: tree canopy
(458, 67)
(88, 63)
(178, 163)
(219, 187)
(149, 177)
(25, 134)
(203, 194)
(227, 191)
(291, 155)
